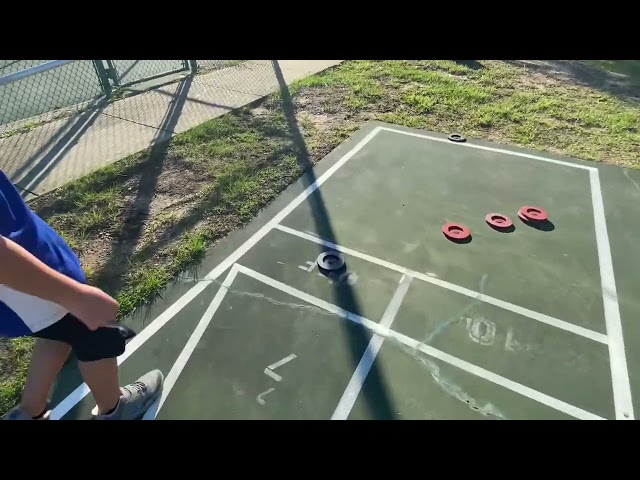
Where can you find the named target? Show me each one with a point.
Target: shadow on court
(376, 392)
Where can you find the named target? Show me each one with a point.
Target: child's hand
(93, 307)
(25, 273)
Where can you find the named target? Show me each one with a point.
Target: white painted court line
(354, 387)
(386, 332)
(554, 322)
(269, 370)
(617, 359)
(260, 399)
(191, 345)
(282, 362)
(79, 393)
(273, 375)
(491, 149)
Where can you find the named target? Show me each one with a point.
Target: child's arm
(22, 271)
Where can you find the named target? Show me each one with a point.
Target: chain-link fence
(37, 91)
(206, 65)
(128, 72)
(32, 93)
(63, 119)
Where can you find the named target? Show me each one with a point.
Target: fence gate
(125, 73)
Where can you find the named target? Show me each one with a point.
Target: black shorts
(87, 345)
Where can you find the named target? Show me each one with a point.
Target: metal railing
(12, 77)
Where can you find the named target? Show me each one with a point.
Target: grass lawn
(138, 223)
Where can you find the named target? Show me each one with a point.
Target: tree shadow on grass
(113, 272)
(616, 77)
(472, 64)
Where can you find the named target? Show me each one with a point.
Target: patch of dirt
(161, 226)
(324, 122)
(321, 121)
(537, 80)
(175, 200)
(260, 112)
(95, 253)
(323, 101)
(456, 75)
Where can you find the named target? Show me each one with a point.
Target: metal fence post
(112, 72)
(192, 65)
(104, 78)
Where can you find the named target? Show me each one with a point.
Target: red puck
(456, 231)
(498, 220)
(535, 214)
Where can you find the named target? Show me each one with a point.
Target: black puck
(456, 137)
(330, 261)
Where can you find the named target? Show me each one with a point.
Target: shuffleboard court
(527, 323)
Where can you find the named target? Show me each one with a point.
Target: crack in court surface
(261, 296)
(442, 326)
(450, 387)
(447, 385)
(626, 174)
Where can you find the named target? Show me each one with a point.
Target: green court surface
(536, 323)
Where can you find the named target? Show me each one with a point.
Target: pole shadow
(374, 391)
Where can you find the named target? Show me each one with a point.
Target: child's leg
(97, 352)
(103, 380)
(134, 399)
(47, 360)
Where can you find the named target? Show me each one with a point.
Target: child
(43, 294)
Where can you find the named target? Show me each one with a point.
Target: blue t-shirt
(22, 314)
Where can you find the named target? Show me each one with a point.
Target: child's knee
(100, 344)
(87, 345)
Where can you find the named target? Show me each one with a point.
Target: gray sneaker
(136, 398)
(17, 413)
